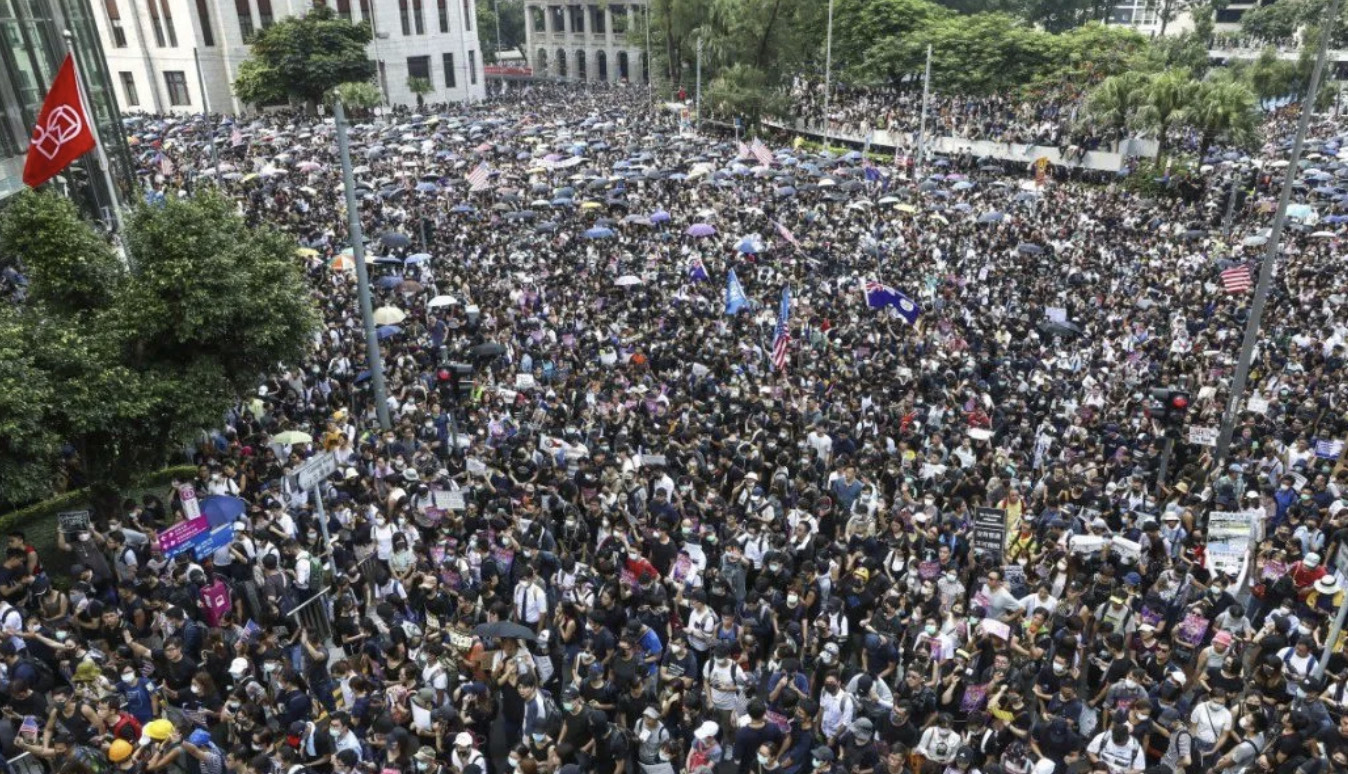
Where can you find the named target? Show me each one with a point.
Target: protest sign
(73, 521)
(989, 532)
(1203, 436)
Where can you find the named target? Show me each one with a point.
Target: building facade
(590, 41)
(164, 54)
(32, 47)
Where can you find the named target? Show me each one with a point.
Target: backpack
(318, 574)
(216, 601)
(552, 715)
(46, 678)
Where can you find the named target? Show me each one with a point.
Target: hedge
(17, 520)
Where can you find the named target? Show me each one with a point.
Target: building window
(365, 13)
(344, 9)
(204, 15)
(168, 25)
(467, 16)
(115, 24)
(264, 15)
(155, 22)
(245, 11)
(538, 19)
(406, 18)
(558, 18)
(450, 80)
(176, 81)
(597, 20)
(619, 14)
(472, 67)
(577, 19)
(442, 8)
(129, 89)
(418, 17)
(419, 67)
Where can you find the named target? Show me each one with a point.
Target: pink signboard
(171, 539)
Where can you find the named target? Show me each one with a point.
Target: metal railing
(312, 616)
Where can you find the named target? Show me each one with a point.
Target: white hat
(707, 730)
(1327, 585)
(464, 739)
(1311, 560)
(238, 667)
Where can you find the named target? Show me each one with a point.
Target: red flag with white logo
(62, 133)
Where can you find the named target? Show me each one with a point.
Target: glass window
(264, 14)
(155, 21)
(597, 20)
(467, 16)
(129, 89)
(450, 80)
(344, 9)
(115, 24)
(406, 19)
(176, 81)
(168, 25)
(419, 67)
(472, 67)
(245, 12)
(619, 15)
(365, 12)
(442, 8)
(419, 17)
(204, 17)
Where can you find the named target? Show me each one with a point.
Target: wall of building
(568, 45)
(216, 30)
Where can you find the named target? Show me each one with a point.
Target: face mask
(664, 756)
(1059, 669)
(538, 738)
(381, 522)
(61, 635)
(774, 568)
(129, 678)
(196, 691)
(313, 535)
(568, 705)
(422, 766)
(83, 536)
(762, 759)
(951, 577)
(792, 599)
(930, 629)
(1129, 684)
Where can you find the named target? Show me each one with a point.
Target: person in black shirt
(175, 667)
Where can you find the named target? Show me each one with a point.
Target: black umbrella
(1029, 248)
(1065, 329)
(505, 629)
(490, 349)
(394, 239)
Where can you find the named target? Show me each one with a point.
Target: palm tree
(1164, 100)
(1115, 101)
(1223, 108)
(420, 87)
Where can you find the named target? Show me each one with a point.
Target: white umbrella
(1324, 235)
(440, 301)
(627, 280)
(389, 315)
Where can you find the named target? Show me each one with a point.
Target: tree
(358, 96)
(743, 91)
(303, 57)
(1223, 108)
(1114, 103)
(860, 24)
(1164, 100)
(124, 365)
(511, 14)
(420, 87)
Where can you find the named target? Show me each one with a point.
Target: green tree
(156, 352)
(860, 24)
(1115, 102)
(1270, 76)
(1164, 99)
(511, 13)
(420, 87)
(1223, 108)
(743, 91)
(303, 57)
(359, 97)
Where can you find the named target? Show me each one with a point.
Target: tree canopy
(114, 365)
(303, 57)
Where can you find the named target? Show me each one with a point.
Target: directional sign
(315, 470)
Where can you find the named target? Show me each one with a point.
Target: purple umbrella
(701, 230)
(659, 216)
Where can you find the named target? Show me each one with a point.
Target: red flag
(1237, 279)
(62, 133)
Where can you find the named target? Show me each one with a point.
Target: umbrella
(1029, 248)
(889, 200)
(598, 233)
(1254, 241)
(1065, 329)
(343, 263)
(223, 509)
(908, 208)
(394, 240)
(504, 630)
(387, 331)
(291, 437)
(490, 349)
(390, 281)
(306, 252)
(627, 280)
(991, 217)
(409, 287)
(700, 229)
(417, 258)
(463, 208)
(1323, 234)
(546, 227)
(427, 187)
(389, 315)
(750, 245)
(659, 216)
(785, 190)
(440, 301)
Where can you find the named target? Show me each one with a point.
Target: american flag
(478, 178)
(782, 338)
(1328, 450)
(483, 148)
(786, 233)
(1237, 279)
(165, 165)
(29, 726)
(761, 152)
(744, 151)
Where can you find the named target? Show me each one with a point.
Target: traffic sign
(315, 470)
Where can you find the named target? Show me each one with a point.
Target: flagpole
(116, 208)
(206, 114)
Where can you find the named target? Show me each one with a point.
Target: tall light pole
(697, 98)
(828, 68)
(1261, 288)
(922, 124)
(206, 114)
(374, 358)
(650, 82)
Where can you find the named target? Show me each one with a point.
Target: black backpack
(46, 678)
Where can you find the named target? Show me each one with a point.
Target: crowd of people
(612, 528)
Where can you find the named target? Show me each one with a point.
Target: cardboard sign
(449, 501)
(476, 467)
(1257, 404)
(654, 460)
(1228, 525)
(1014, 577)
(525, 382)
(1203, 436)
(1126, 548)
(989, 534)
(1055, 313)
(995, 628)
(1086, 544)
(73, 521)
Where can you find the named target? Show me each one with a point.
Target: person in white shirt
(1297, 661)
(821, 443)
(1118, 750)
(836, 708)
(531, 603)
(1041, 598)
(939, 743)
(701, 628)
(1211, 722)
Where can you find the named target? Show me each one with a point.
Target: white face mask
(129, 678)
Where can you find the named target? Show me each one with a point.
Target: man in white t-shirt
(1211, 722)
(1118, 750)
(1297, 661)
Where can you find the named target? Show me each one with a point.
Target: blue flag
(879, 296)
(735, 300)
(696, 271)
